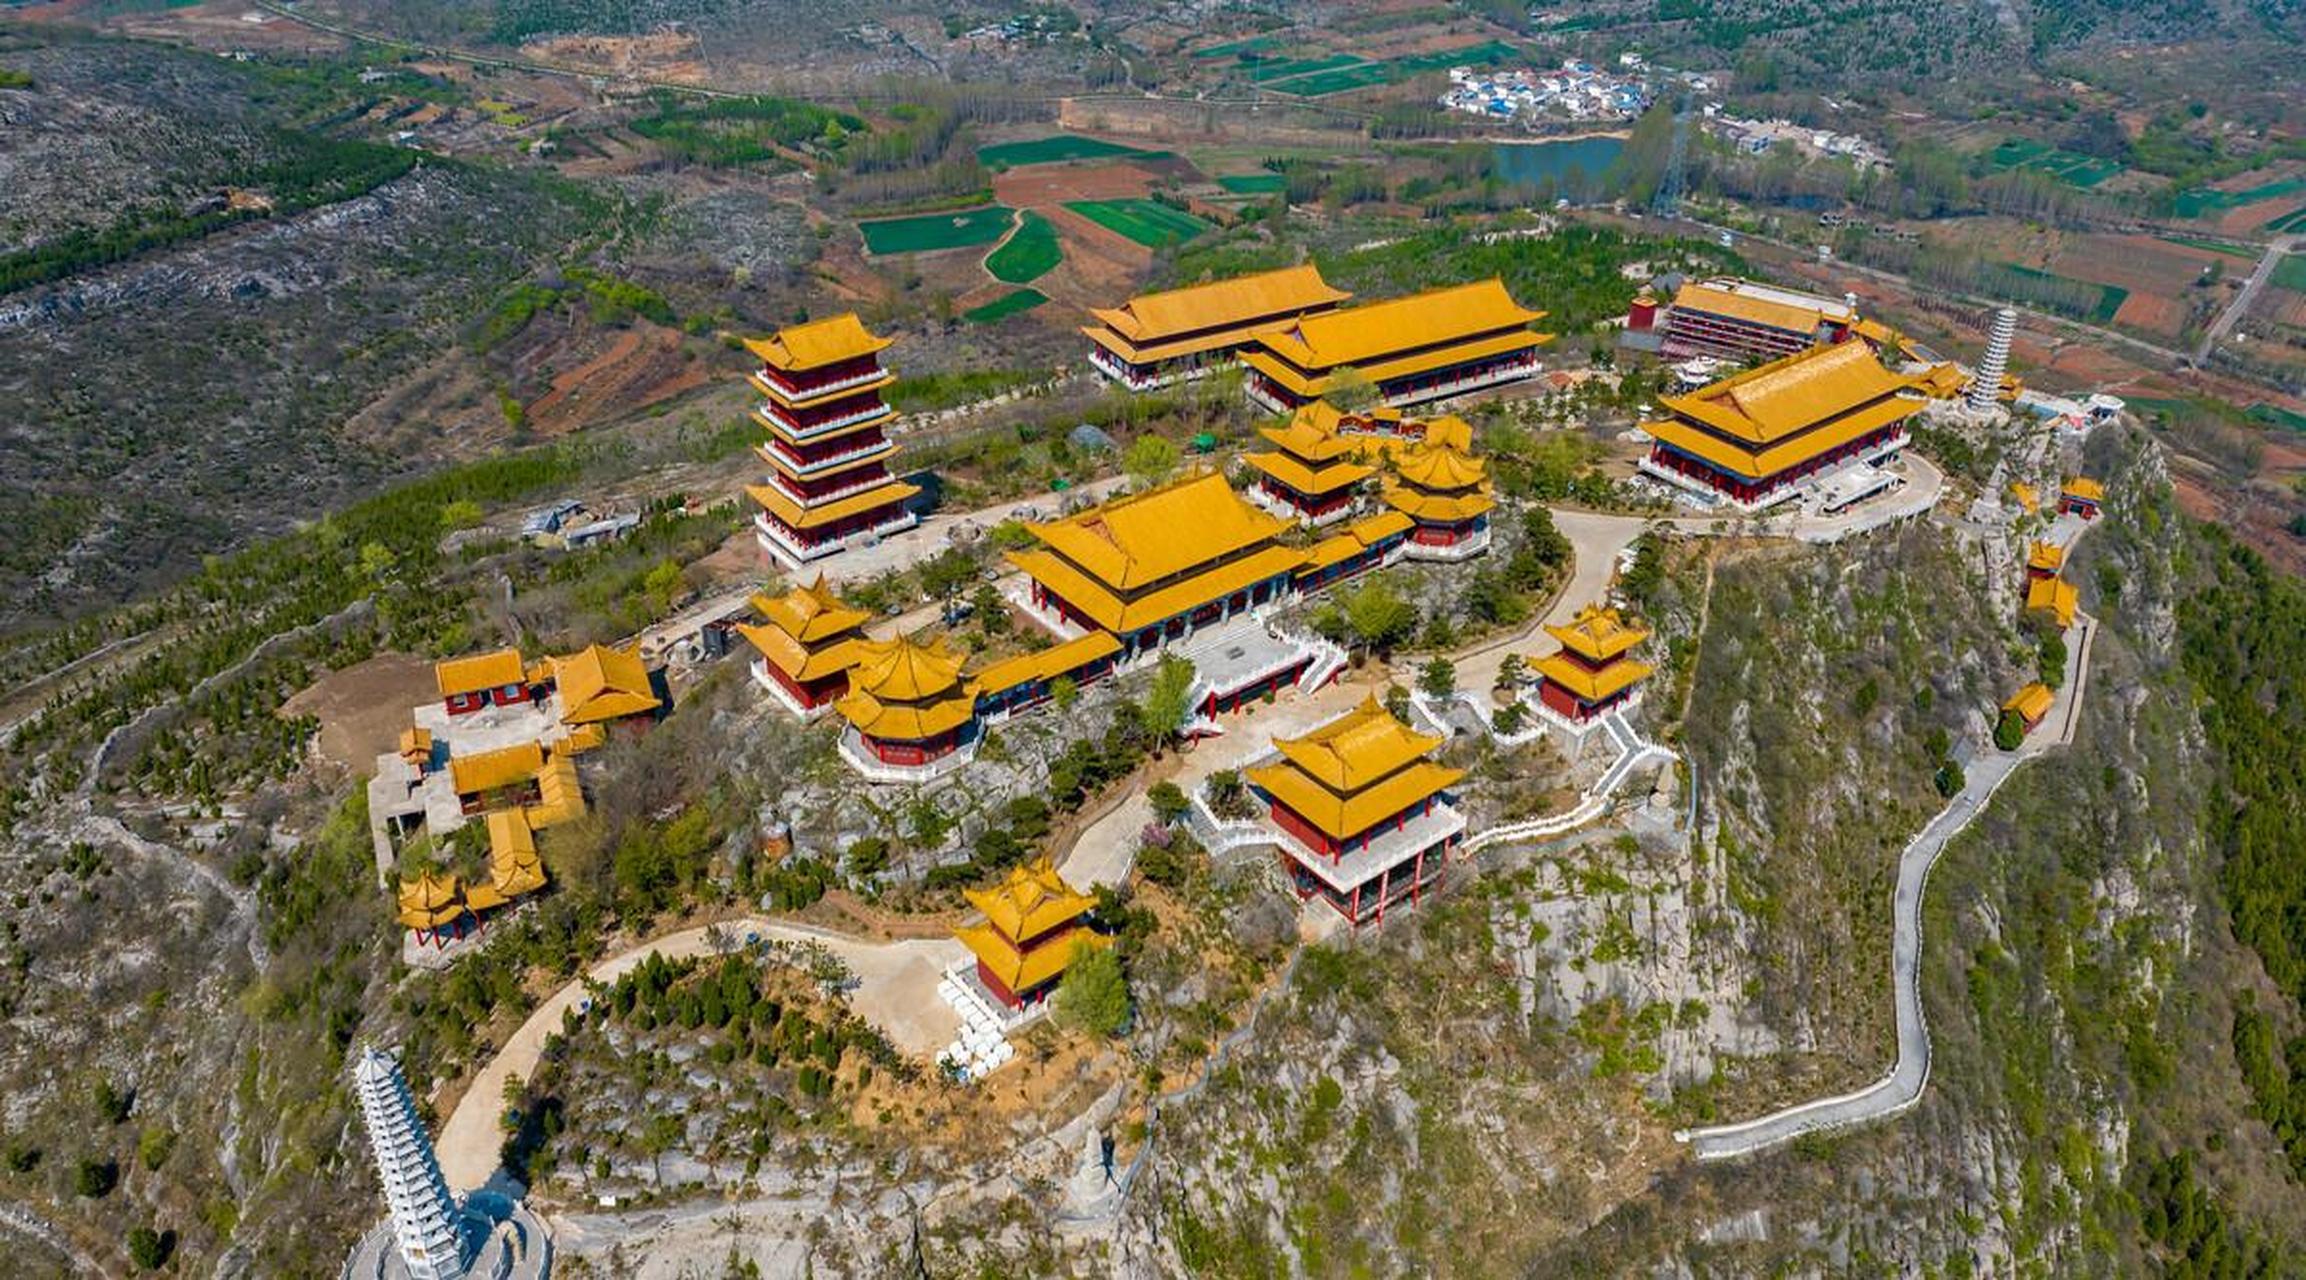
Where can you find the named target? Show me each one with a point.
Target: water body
(1566, 163)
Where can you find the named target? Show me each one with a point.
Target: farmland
(2070, 167)
(1057, 150)
(1008, 304)
(2201, 201)
(1254, 184)
(1148, 222)
(931, 232)
(1030, 252)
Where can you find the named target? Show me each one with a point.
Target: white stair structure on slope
(983, 1045)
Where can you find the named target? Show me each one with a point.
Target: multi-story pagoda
(1445, 489)
(907, 706)
(807, 640)
(1592, 674)
(1361, 811)
(1751, 438)
(1158, 338)
(1156, 566)
(828, 449)
(1427, 346)
(1311, 472)
(430, 1235)
(1032, 928)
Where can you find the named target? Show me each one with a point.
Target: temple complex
(1752, 438)
(1444, 490)
(1032, 926)
(807, 641)
(1362, 812)
(1592, 674)
(1426, 346)
(828, 484)
(1311, 472)
(2030, 704)
(2083, 497)
(1156, 566)
(907, 707)
(1159, 338)
(1741, 320)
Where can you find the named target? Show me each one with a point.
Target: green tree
(1093, 996)
(1377, 617)
(149, 1249)
(867, 857)
(1509, 718)
(154, 1144)
(1168, 801)
(1151, 459)
(1064, 691)
(94, 1178)
(1397, 702)
(377, 559)
(1351, 390)
(1437, 678)
(2009, 731)
(1510, 671)
(112, 1102)
(1167, 701)
(463, 513)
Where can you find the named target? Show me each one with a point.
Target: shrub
(150, 1249)
(1093, 996)
(1169, 803)
(2009, 731)
(94, 1179)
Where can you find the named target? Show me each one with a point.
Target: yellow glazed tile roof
(1143, 539)
(1720, 301)
(1347, 814)
(1435, 508)
(1358, 335)
(1356, 748)
(2026, 496)
(1024, 970)
(1440, 468)
(584, 737)
(1756, 464)
(1598, 633)
(1110, 611)
(775, 502)
(430, 901)
(905, 669)
(810, 613)
(2053, 596)
(1319, 384)
(599, 684)
(478, 672)
(1047, 664)
(1307, 480)
(1354, 539)
(1449, 431)
(2046, 556)
(494, 770)
(1790, 395)
(1242, 300)
(799, 661)
(416, 744)
(1030, 901)
(1316, 433)
(2031, 702)
(906, 721)
(2086, 489)
(559, 796)
(1592, 685)
(817, 343)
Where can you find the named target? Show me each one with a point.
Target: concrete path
(2248, 294)
(1902, 1087)
(896, 992)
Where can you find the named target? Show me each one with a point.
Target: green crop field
(1263, 71)
(1365, 74)
(2110, 296)
(1254, 184)
(2295, 220)
(1148, 222)
(2069, 167)
(932, 231)
(2211, 246)
(1054, 150)
(1030, 252)
(2290, 273)
(2200, 200)
(1236, 48)
(1008, 304)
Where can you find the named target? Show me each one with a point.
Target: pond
(1529, 164)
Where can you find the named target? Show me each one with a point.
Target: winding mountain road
(1902, 1087)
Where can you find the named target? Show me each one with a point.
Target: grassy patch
(2201, 200)
(1261, 72)
(2211, 246)
(1361, 75)
(931, 232)
(2290, 272)
(1148, 222)
(1253, 184)
(1030, 252)
(1056, 150)
(1237, 48)
(2110, 296)
(1008, 304)
(2295, 220)
(2070, 167)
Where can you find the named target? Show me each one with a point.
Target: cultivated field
(1006, 305)
(1030, 252)
(931, 232)
(1148, 222)
(1054, 150)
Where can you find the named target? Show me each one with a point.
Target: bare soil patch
(641, 366)
(363, 708)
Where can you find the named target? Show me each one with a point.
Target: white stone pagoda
(430, 1234)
